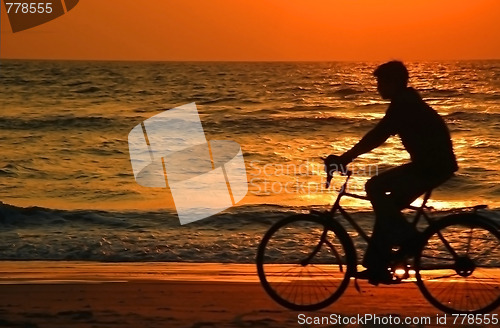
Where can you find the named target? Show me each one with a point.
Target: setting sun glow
(263, 30)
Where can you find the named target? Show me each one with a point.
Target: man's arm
(374, 138)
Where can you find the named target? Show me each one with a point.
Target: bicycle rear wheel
(458, 268)
(304, 262)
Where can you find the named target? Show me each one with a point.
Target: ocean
(67, 187)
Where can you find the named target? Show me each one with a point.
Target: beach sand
(87, 294)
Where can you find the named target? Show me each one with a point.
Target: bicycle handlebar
(331, 168)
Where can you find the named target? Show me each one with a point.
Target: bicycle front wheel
(458, 268)
(304, 262)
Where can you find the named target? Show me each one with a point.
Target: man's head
(392, 77)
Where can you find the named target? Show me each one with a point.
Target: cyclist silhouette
(426, 138)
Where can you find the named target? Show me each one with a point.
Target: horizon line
(247, 61)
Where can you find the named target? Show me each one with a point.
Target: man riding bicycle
(426, 138)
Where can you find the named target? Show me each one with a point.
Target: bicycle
(305, 262)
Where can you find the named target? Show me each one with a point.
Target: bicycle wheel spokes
(458, 268)
(298, 268)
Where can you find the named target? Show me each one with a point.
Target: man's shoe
(376, 277)
(364, 275)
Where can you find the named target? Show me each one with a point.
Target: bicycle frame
(420, 210)
(337, 207)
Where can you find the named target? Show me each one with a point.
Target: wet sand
(86, 294)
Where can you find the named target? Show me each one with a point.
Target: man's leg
(390, 192)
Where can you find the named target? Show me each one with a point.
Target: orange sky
(263, 30)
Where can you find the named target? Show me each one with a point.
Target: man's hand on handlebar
(334, 163)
